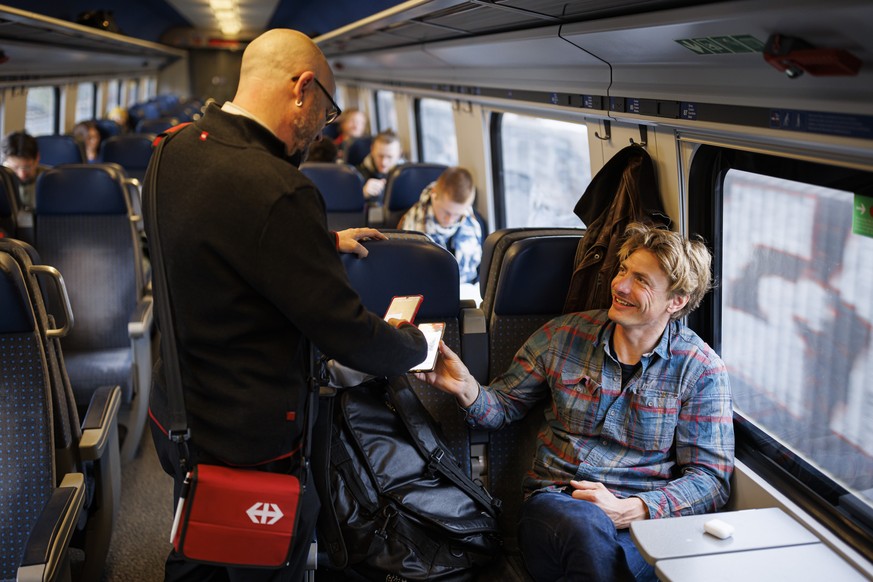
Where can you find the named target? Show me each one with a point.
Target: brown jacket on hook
(625, 190)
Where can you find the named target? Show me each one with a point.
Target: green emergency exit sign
(862, 215)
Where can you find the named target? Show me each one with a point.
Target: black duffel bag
(397, 505)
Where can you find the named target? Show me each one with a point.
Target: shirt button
(602, 441)
(650, 403)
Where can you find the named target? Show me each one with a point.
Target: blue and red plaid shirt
(667, 437)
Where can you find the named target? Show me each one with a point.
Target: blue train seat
(410, 264)
(37, 518)
(358, 150)
(342, 188)
(108, 128)
(529, 273)
(59, 149)
(130, 151)
(89, 447)
(86, 229)
(8, 203)
(156, 125)
(404, 187)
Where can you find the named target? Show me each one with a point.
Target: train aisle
(139, 543)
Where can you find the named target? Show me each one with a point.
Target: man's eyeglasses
(334, 110)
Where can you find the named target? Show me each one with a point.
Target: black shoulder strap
(419, 423)
(178, 425)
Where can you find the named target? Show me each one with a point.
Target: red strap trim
(167, 132)
(291, 416)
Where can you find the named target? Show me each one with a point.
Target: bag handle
(418, 422)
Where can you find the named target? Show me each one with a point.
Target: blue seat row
(61, 477)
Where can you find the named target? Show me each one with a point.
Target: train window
(546, 167)
(386, 112)
(85, 102)
(439, 143)
(112, 96)
(41, 114)
(791, 317)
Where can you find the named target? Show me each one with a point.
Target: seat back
(108, 128)
(90, 449)
(342, 188)
(130, 151)
(26, 441)
(410, 264)
(8, 202)
(404, 187)
(357, 150)
(156, 125)
(84, 229)
(59, 149)
(529, 273)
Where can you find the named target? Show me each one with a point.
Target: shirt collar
(604, 337)
(234, 109)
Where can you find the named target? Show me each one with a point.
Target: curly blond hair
(686, 262)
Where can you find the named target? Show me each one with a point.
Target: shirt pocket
(577, 397)
(651, 420)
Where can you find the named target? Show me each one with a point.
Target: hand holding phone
(404, 307)
(433, 333)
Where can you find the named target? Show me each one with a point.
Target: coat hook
(644, 132)
(606, 126)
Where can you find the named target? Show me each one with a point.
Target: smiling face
(641, 299)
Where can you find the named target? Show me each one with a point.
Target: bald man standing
(253, 272)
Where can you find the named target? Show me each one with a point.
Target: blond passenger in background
(445, 213)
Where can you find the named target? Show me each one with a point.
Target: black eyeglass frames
(334, 110)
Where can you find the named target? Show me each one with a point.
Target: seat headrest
(131, 151)
(80, 189)
(358, 150)
(59, 149)
(406, 182)
(341, 185)
(406, 266)
(16, 315)
(535, 275)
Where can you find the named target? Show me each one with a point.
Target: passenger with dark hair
(639, 425)
(88, 134)
(253, 273)
(444, 212)
(323, 150)
(385, 154)
(21, 155)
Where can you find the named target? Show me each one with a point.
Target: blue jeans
(562, 538)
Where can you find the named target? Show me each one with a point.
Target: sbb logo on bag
(264, 512)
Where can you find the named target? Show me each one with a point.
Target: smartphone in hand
(433, 332)
(404, 307)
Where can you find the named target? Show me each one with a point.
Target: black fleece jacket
(252, 271)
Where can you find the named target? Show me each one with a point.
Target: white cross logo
(260, 512)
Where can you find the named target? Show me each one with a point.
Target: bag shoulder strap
(419, 423)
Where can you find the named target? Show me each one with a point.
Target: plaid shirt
(667, 437)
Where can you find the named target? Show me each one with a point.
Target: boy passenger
(640, 425)
(445, 213)
(384, 156)
(21, 155)
(246, 304)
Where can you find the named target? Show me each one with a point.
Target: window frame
(794, 477)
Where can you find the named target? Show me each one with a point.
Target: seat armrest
(474, 343)
(100, 420)
(49, 540)
(141, 319)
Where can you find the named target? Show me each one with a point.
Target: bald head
(279, 84)
(276, 56)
